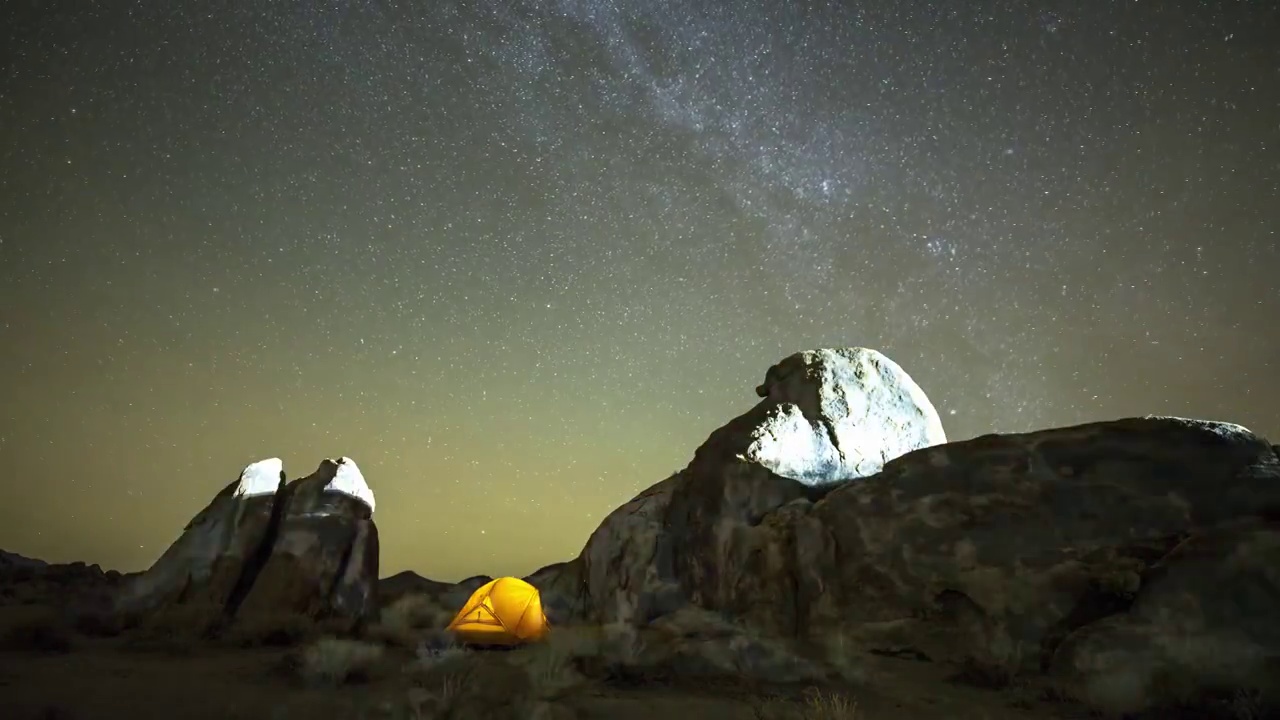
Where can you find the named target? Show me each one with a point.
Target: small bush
(597, 651)
(551, 672)
(415, 612)
(335, 661)
(404, 621)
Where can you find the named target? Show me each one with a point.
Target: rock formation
(266, 547)
(834, 509)
(827, 416)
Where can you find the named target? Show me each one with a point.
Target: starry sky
(519, 259)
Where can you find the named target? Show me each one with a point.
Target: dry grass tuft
(549, 667)
(431, 704)
(336, 661)
(829, 706)
(817, 705)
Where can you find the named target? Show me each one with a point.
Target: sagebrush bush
(337, 661)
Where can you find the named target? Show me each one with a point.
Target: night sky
(519, 259)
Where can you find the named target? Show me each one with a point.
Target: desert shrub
(561, 661)
(550, 670)
(554, 665)
(415, 612)
(337, 661)
(404, 621)
(43, 632)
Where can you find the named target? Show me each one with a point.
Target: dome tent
(506, 611)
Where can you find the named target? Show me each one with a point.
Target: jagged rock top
(260, 478)
(348, 480)
(1225, 430)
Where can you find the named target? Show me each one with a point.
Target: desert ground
(84, 666)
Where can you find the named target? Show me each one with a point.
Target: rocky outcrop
(1065, 553)
(627, 562)
(1204, 615)
(204, 565)
(324, 558)
(396, 586)
(999, 548)
(560, 587)
(827, 416)
(267, 547)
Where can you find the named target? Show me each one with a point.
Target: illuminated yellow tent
(506, 611)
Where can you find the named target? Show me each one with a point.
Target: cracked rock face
(265, 546)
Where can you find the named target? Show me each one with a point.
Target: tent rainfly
(506, 611)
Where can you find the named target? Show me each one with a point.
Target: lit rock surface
(267, 547)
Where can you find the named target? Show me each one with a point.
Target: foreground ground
(49, 670)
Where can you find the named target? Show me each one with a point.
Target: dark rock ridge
(27, 581)
(265, 547)
(13, 561)
(559, 584)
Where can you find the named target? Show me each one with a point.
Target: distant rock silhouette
(28, 581)
(13, 561)
(267, 547)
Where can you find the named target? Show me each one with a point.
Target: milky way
(519, 259)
